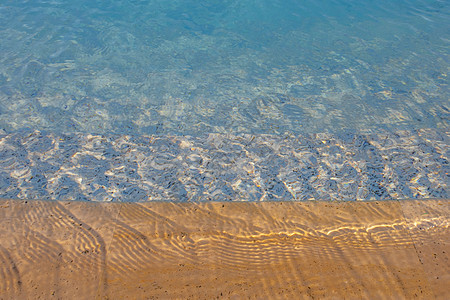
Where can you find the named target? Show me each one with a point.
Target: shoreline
(314, 249)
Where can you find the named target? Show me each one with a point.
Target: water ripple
(387, 165)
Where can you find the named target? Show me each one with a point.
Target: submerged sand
(293, 250)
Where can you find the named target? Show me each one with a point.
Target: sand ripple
(208, 250)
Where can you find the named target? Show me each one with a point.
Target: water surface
(224, 100)
(247, 66)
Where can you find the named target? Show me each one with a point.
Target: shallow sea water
(224, 100)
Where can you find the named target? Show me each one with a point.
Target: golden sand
(351, 250)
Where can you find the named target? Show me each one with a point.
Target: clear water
(247, 66)
(248, 100)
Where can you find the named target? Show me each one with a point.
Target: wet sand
(292, 250)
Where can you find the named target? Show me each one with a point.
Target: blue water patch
(221, 167)
(247, 66)
(249, 100)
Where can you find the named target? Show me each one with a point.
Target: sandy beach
(270, 250)
(231, 149)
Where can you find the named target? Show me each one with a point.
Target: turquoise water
(224, 100)
(190, 67)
